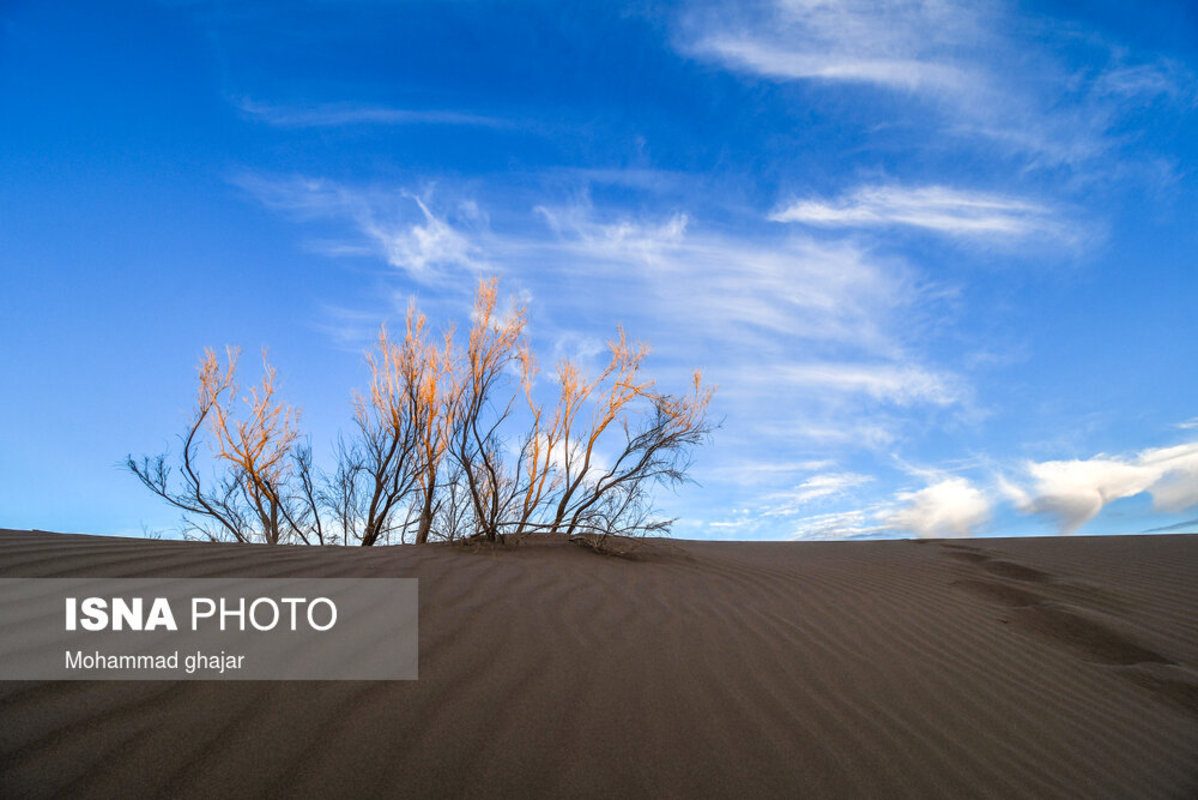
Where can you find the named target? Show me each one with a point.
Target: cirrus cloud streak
(939, 209)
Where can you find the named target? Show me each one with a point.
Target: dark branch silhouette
(431, 456)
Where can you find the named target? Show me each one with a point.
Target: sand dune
(985, 668)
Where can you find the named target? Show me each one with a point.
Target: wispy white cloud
(940, 209)
(1076, 491)
(736, 291)
(817, 487)
(763, 471)
(898, 45)
(302, 197)
(1144, 82)
(952, 58)
(727, 526)
(338, 114)
(349, 327)
(837, 430)
(418, 246)
(904, 385)
(756, 296)
(776, 61)
(624, 240)
(399, 226)
(847, 524)
(757, 288)
(824, 333)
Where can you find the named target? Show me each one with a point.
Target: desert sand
(1041, 668)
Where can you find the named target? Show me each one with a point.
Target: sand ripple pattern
(991, 668)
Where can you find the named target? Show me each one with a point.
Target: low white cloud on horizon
(1071, 491)
(950, 508)
(1076, 491)
(837, 505)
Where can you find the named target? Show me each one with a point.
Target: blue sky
(939, 256)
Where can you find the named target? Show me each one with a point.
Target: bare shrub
(386, 477)
(431, 456)
(262, 490)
